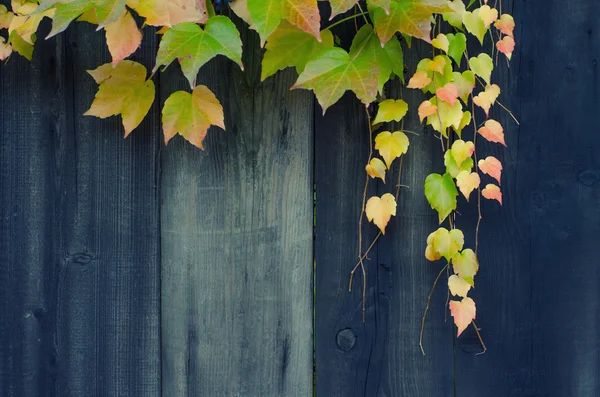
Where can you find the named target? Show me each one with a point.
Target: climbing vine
(456, 87)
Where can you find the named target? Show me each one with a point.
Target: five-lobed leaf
(391, 145)
(191, 115)
(123, 90)
(194, 46)
(380, 210)
(441, 194)
(464, 313)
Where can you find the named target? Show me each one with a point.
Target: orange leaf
(467, 182)
(380, 210)
(464, 313)
(419, 80)
(487, 98)
(506, 46)
(506, 24)
(123, 37)
(448, 93)
(171, 12)
(492, 131)
(376, 169)
(492, 167)
(492, 192)
(426, 109)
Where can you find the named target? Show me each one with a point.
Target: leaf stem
(480, 339)
(427, 307)
(346, 19)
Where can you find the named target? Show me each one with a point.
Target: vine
(194, 31)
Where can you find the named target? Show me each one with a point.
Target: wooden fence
(128, 268)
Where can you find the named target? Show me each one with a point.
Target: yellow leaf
(419, 80)
(437, 64)
(376, 169)
(464, 313)
(458, 286)
(391, 145)
(467, 182)
(171, 12)
(487, 14)
(380, 210)
(461, 151)
(487, 98)
(391, 110)
(441, 42)
(447, 243)
(465, 263)
(426, 108)
(123, 37)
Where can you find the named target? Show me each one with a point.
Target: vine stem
(480, 338)
(427, 307)
(351, 17)
(498, 102)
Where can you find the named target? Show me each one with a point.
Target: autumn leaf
(380, 210)
(457, 45)
(170, 12)
(426, 108)
(488, 15)
(5, 17)
(474, 25)
(465, 82)
(406, 16)
(376, 169)
(191, 115)
(464, 313)
(194, 46)
(340, 6)
(290, 46)
(506, 24)
(464, 121)
(448, 93)
(5, 49)
(482, 66)
(123, 37)
(452, 168)
(391, 145)
(441, 42)
(20, 46)
(455, 16)
(492, 131)
(445, 243)
(447, 116)
(492, 167)
(506, 46)
(492, 192)
(487, 98)
(123, 90)
(419, 80)
(461, 150)
(467, 182)
(441, 193)
(267, 14)
(385, 4)
(438, 69)
(390, 110)
(240, 8)
(465, 263)
(458, 286)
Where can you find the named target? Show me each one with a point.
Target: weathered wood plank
(79, 263)
(237, 232)
(538, 288)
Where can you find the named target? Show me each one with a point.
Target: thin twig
(345, 20)
(480, 339)
(427, 307)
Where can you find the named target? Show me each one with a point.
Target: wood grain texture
(237, 232)
(380, 357)
(79, 268)
(539, 279)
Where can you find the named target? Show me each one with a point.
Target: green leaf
(474, 25)
(457, 46)
(191, 115)
(266, 15)
(441, 194)
(465, 82)
(21, 46)
(454, 17)
(464, 121)
(482, 66)
(452, 168)
(291, 46)
(341, 6)
(447, 243)
(437, 79)
(465, 263)
(391, 110)
(123, 90)
(447, 116)
(406, 16)
(194, 46)
(5, 17)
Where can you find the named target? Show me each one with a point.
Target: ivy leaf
(506, 46)
(5, 17)
(467, 182)
(487, 14)
(334, 71)
(445, 243)
(457, 45)
(474, 25)
(123, 37)
(240, 7)
(487, 98)
(385, 4)
(448, 93)
(492, 167)
(492, 131)
(20, 46)
(267, 14)
(492, 192)
(441, 193)
(438, 69)
(506, 24)
(419, 80)
(465, 82)
(461, 151)
(391, 145)
(455, 16)
(407, 17)
(464, 313)
(465, 263)
(191, 115)
(376, 169)
(458, 286)
(390, 110)
(170, 12)
(441, 42)
(452, 168)
(426, 108)
(5, 49)
(291, 46)
(194, 46)
(380, 210)
(482, 66)
(447, 116)
(340, 6)
(123, 90)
